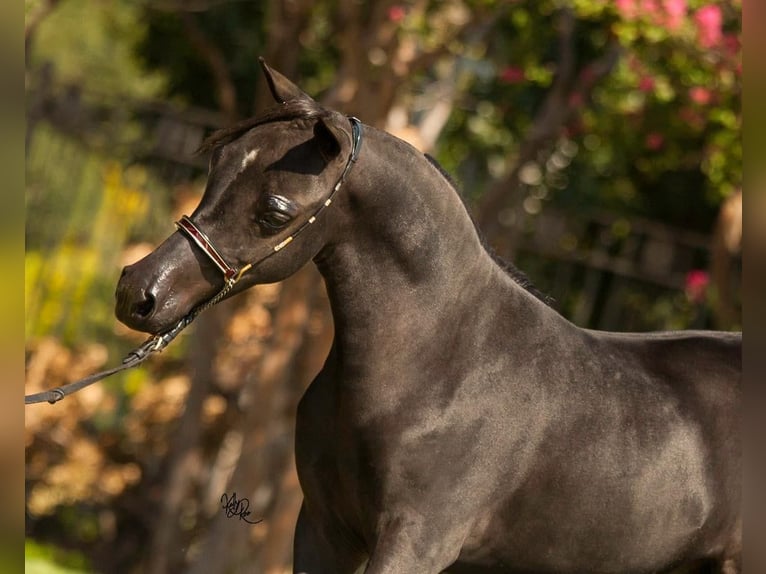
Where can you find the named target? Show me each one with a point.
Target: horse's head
(269, 179)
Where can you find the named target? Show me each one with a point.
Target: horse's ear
(281, 88)
(328, 137)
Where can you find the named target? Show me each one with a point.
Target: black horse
(459, 422)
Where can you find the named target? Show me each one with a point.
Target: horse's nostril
(145, 307)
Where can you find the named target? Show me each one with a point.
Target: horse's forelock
(293, 109)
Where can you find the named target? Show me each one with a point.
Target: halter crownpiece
(231, 276)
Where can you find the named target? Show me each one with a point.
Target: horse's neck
(409, 268)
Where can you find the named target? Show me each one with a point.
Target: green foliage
(47, 559)
(674, 107)
(235, 29)
(659, 136)
(85, 198)
(83, 205)
(92, 44)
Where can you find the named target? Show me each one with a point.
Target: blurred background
(597, 144)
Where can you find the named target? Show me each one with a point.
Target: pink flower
(646, 84)
(731, 43)
(576, 99)
(574, 129)
(654, 140)
(650, 9)
(700, 95)
(709, 19)
(396, 13)
(512, 75)
(676, 12)
(627, 8)
(696, 284)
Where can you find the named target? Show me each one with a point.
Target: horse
(459, 424)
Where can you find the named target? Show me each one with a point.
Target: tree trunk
(184, 458)
(267, 428)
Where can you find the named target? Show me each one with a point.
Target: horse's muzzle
(136, 300)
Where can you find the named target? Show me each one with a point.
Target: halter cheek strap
(231, 276)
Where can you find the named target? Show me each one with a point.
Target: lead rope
(231, 275)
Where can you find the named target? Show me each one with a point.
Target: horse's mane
(514, 272)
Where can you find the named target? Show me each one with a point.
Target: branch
(549, 117)
(178, 6)
(564, 100)
(476, 28)
(32, 21)
(726, 244)
(286, 20)
(427, 131)
(226, 93)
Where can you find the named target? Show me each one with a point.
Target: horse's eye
(275, 219)
(276, 212)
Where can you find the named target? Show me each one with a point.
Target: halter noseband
(231, 276)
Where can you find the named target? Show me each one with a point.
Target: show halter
(231, 276)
